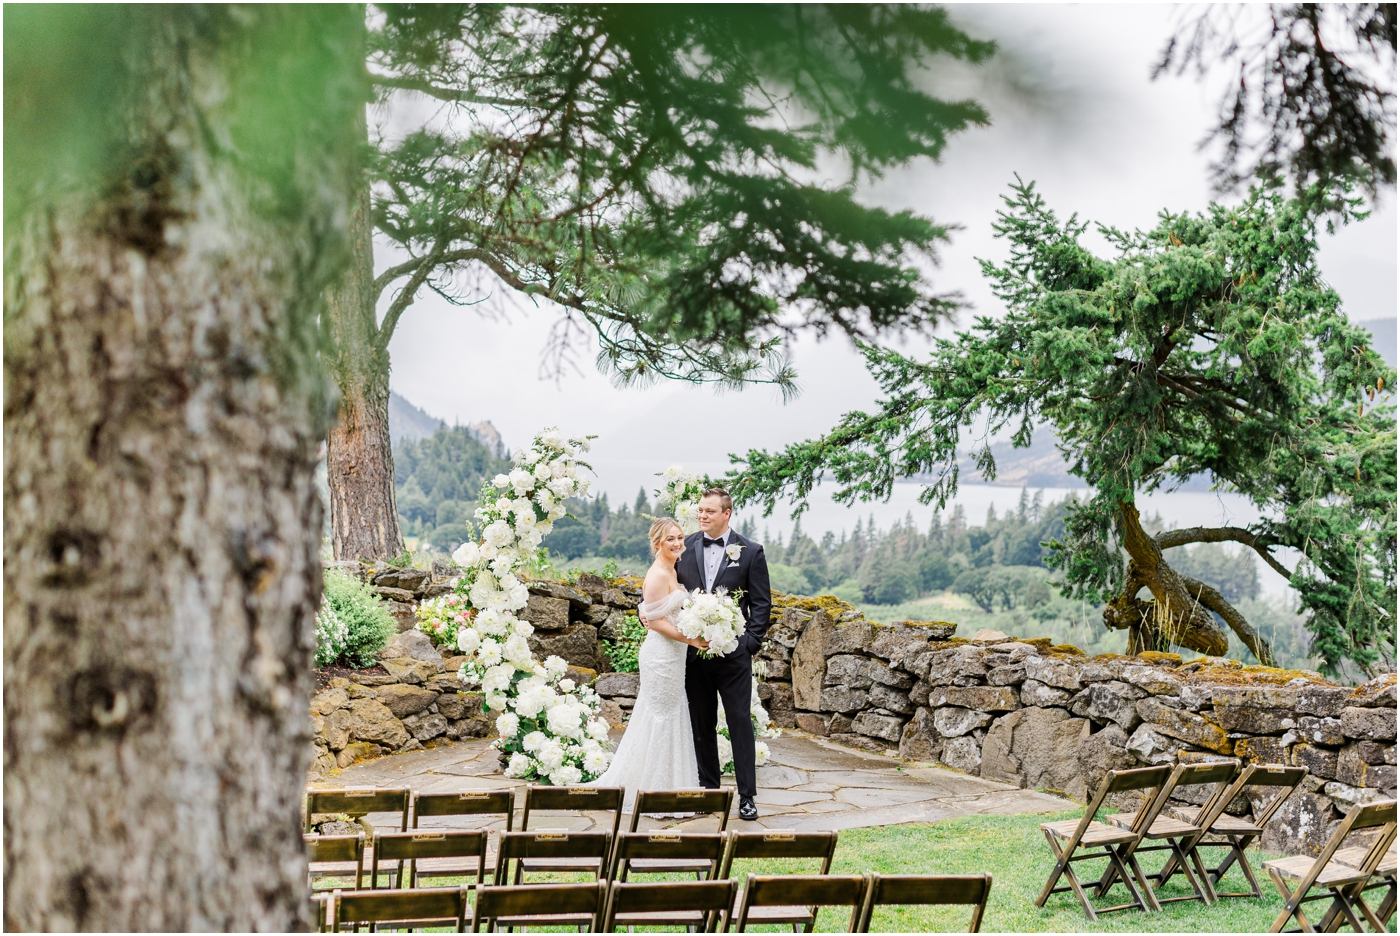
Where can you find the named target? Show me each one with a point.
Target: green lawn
(1014, 851)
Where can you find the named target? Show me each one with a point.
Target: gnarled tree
(177, 184)
(649, 172)
(1209, 345)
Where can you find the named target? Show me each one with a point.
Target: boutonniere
(734, 551)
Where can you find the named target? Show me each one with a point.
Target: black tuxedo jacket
(749, 575)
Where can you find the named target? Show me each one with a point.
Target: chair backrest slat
(812, 890)
(469, 803)
(670, 896)
(517, 846)
(407, 846)
(777, 843)
(323, 849)
(929, 889)
(532, 899)
(575, 799)
(356, 802)
(432, 903)
(712, 802)
(675, 845)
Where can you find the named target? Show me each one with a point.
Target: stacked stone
(401, 588)
(419, 700)
(570, 620)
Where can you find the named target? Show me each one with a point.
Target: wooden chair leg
(1178, 854)
(1147, 894)
(1061, 865)
(1205, 878)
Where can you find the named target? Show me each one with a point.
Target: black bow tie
(713, 542)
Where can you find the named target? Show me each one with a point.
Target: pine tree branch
(453, 95)
(1254, 541)
(1216, 602)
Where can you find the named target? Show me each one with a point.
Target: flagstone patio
(809, 784)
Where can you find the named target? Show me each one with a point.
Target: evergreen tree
(1209, 345)
(645, 170)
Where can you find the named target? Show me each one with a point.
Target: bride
(657, 752)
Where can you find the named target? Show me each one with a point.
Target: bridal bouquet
(712, 617)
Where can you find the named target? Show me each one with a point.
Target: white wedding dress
(657, 751)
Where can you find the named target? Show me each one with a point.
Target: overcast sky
(1072, 108)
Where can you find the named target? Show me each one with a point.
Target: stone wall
(1051, 717)
(1019, 711)
(418, 700)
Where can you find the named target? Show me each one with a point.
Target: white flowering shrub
(332, 636)
(518, 510)
(680, 495)
(714, 617)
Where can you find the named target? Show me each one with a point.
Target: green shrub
(357, 626)
(622, 652)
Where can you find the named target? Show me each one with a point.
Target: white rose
(530, 456)
(529, 703)
(533, 741)
(598, 730)
(500, 482)
(507, 725)
(542, 472)
(726, 750)
(497, 534)
(550, 754)
(497, 701)
(516, 650)
(519, 766)
(468, 640)
(564, 720)
(554, 666)
(466, 555)
(566, 685)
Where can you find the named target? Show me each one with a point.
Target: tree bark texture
(163, 415)
(1174, 616)
(359, 452)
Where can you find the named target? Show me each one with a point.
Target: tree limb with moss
(1208, 345)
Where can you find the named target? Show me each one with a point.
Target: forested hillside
(437, 480)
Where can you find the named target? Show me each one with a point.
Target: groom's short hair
(725, 500)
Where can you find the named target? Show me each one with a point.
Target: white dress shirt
(713, 555)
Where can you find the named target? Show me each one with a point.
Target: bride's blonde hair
(659, 528)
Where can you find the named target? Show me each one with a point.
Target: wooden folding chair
(1098, 840)
(534, 852)
(1332, 876)
(571, 799)
(320, 903)
(1180, 837)
(814, 890)
(700, 906)
(779, 844)
(401, 909)
(662, 852)
(670, 802)
(577, 905)
(1382, 877)
(357, 802)
(331, 851)
(471, 803)
(1237, 834)
(439, 847)
(896, 890)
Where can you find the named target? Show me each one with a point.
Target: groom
(717, 557)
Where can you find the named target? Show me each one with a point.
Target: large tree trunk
(1174, 616)
(163, 413)
(359, 454)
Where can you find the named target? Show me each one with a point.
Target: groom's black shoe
(747, 810)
